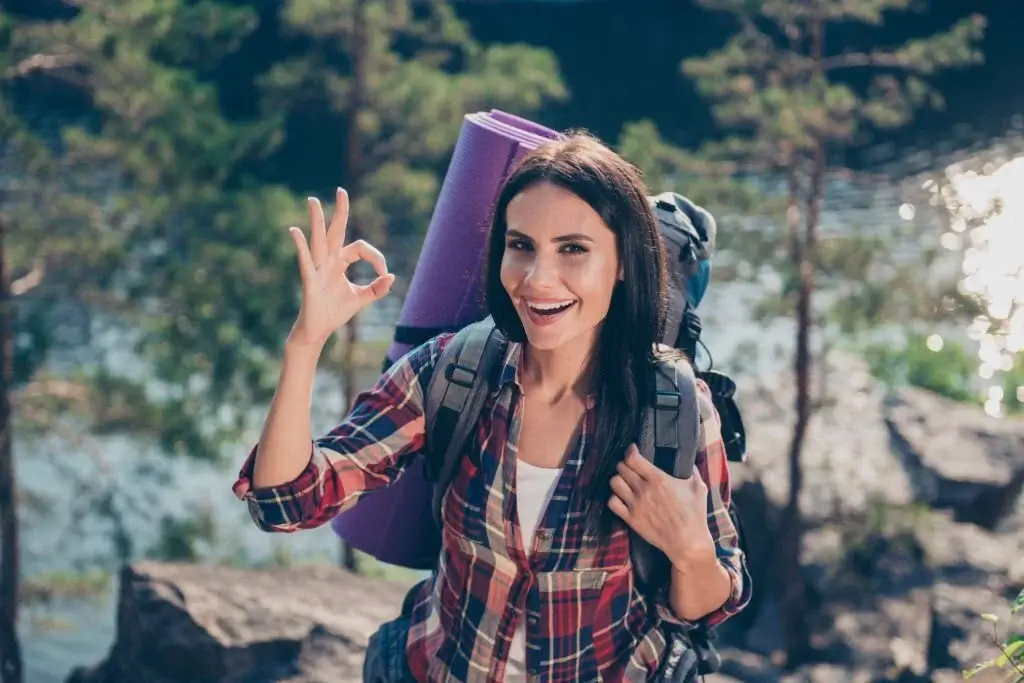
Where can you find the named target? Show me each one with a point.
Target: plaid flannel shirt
(585, 618)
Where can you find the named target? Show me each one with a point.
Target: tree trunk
(10, 648)
(354, 170)
(794, 593)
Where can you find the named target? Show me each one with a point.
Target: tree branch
(855, 60)
(41, 62)
(51, 388)
(29, 280)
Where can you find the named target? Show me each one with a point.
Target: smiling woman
(538, 519)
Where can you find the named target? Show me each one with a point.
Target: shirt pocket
(609, 555)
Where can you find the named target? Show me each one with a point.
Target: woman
(535, 562)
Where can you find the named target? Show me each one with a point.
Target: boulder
(180, 623)
(960, 458)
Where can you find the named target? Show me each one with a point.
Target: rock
(960, 638)
(961, 458)
(194, 623)
(848, 465)
(966, 554)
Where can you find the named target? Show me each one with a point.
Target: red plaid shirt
(586, 620)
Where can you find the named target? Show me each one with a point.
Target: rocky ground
(916, 526)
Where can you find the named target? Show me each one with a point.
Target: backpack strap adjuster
(461, 375)
(668, 400)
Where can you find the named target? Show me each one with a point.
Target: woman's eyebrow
(572, 237)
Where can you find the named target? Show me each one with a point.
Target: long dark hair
(623, 359)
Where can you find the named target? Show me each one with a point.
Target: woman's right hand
(329, 298)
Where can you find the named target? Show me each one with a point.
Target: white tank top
(534, 488)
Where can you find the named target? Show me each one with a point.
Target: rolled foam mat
(395, 525)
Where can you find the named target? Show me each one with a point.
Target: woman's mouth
(548, 312)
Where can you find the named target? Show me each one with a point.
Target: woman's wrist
(695, 554)
(298, 344)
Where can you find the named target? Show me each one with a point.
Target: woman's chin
(557, 337)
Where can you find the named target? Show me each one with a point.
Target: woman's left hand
(667, 512)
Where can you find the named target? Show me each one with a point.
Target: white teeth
(552, 307)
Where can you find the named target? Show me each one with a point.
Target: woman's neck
(556, 374)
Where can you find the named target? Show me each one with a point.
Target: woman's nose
(542, 271)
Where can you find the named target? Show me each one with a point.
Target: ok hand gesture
(329, 298)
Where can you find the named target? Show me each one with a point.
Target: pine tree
(90, 208)
(786, 85)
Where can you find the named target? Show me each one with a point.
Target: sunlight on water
(987, 211)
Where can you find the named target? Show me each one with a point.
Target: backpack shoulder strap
(455, 396)
(674, 418)
(669, 440)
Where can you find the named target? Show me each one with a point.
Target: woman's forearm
(699, 585)
(284, 447)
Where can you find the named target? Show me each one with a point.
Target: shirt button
(531, 620)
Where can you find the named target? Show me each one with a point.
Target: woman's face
(560, 266)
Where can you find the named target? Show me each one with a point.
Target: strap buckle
(461, 375)
(667, 400)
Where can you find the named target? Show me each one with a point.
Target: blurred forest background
(865, 161)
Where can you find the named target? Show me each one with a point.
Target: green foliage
(1010, 660)
(403, 74)
(1013, 387)
(45, 589)
(134, 205)
(775, 78)
(948, 372)
(158, 232)
(184, 540)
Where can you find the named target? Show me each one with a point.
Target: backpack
(467, 371)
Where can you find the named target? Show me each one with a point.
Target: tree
(124, 193)
(400, 75)
(793, 102)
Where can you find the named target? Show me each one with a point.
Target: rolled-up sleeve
(713, 467)
(369, 450)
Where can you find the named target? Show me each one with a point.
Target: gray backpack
(466, 374)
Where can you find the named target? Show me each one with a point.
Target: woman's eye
(517, 245)
(573, 249)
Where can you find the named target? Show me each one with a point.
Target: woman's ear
(622, 276)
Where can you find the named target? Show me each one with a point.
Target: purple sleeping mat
(396, 525)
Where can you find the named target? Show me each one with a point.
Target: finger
(621, 489)
(634, 480)
(367, 252)
(377, 289)
(638, 463)
(616, 505)
(306, 266)
(339, 222)
(317, 232)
